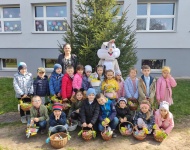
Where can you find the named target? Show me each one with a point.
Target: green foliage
(95, 22)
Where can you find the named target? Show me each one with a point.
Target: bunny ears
(76, 90)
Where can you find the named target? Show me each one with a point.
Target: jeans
(113, 124)
(41, 124)
(58, 128)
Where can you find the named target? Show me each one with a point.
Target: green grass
(180, 109)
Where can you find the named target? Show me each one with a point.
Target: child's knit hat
(57, 66)
(164, 105)
(91, 91)
(88, 68)
(122, 99)
(21, 65)
(57, 106)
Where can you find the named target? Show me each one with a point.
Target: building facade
(30, 31)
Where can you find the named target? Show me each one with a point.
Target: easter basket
(133, 104)
(87, 134)
(95, 82)
(126, 128)
(55, 99)
(31, 130)
(141, 136)
(107, 134)
(159, 135)
(25, 106)
(58, 140)
(72, 125)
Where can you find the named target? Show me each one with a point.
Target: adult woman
(67, 58)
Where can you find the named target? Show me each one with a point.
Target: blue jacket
(85, 83)
(41, 86)
(55, 83)
(62, 120)
(129, 88)
(107, 111)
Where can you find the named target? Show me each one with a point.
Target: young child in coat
(110, 85)
(123, 111)
(57, 120)
(90, 109)
(55, 81)
(99, 78)
(41, 84)
(85, 79)
(131, 85)
(143, 118)
(119, 79)
(23, 86)
(67, 80)
(147, 85)
(39, 114)
(76, 105)
(164, 86)
(77, 80)
(107, 114)
(164, 118)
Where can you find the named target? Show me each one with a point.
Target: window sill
(10, 32)
(155, 31)
(51, 32)
(8, 70)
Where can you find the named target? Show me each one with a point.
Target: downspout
(71, 14)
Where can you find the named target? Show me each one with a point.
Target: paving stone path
(10, 117)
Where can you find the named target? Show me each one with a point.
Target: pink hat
(57, 106)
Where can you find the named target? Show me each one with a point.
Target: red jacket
(66, 88)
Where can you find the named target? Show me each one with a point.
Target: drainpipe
(71, 14)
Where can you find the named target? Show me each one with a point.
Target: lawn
(180, 109)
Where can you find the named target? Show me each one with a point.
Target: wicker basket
(133, 107)
(125, 123)
(73, 126)
(87, 137)
(60, 143)
(139, 137)
(158, 139)
(106, 137)
(26, 107)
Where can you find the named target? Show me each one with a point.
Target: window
(155, 64)
(50, 18)
(10, 19)
(120, 5)
(155, 16)
(49, 63)
(9, 63)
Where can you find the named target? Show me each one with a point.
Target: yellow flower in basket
(109, 88)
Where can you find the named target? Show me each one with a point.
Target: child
(147, 85)
(85, 80)
(110, 85)
(123, 112)
(119, 79)
(55, 81)
(77, 80)
(164, 118)
(66, 88)
(131, 85)
(41, 85)
(76, 104)
(23, 86)
(90, 109)
(57, 121)
(107, 114)
(99, 77)
(164, 86)
(143, 118)
(39, 114)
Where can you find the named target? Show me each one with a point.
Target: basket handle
(88, 127)
(126, 122)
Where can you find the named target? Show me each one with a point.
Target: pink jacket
(121, 91)
(167, 124)
(77, 81)
(161, 88)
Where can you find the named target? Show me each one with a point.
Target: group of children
(96, 105)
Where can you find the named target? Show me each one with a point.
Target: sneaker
(42, 131)
(23, 119)
(114, 135)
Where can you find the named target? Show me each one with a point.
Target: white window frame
(45, 19)
(2, 20)
(148, 16)
(120, 3)
(5, 68)
(155, 70)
